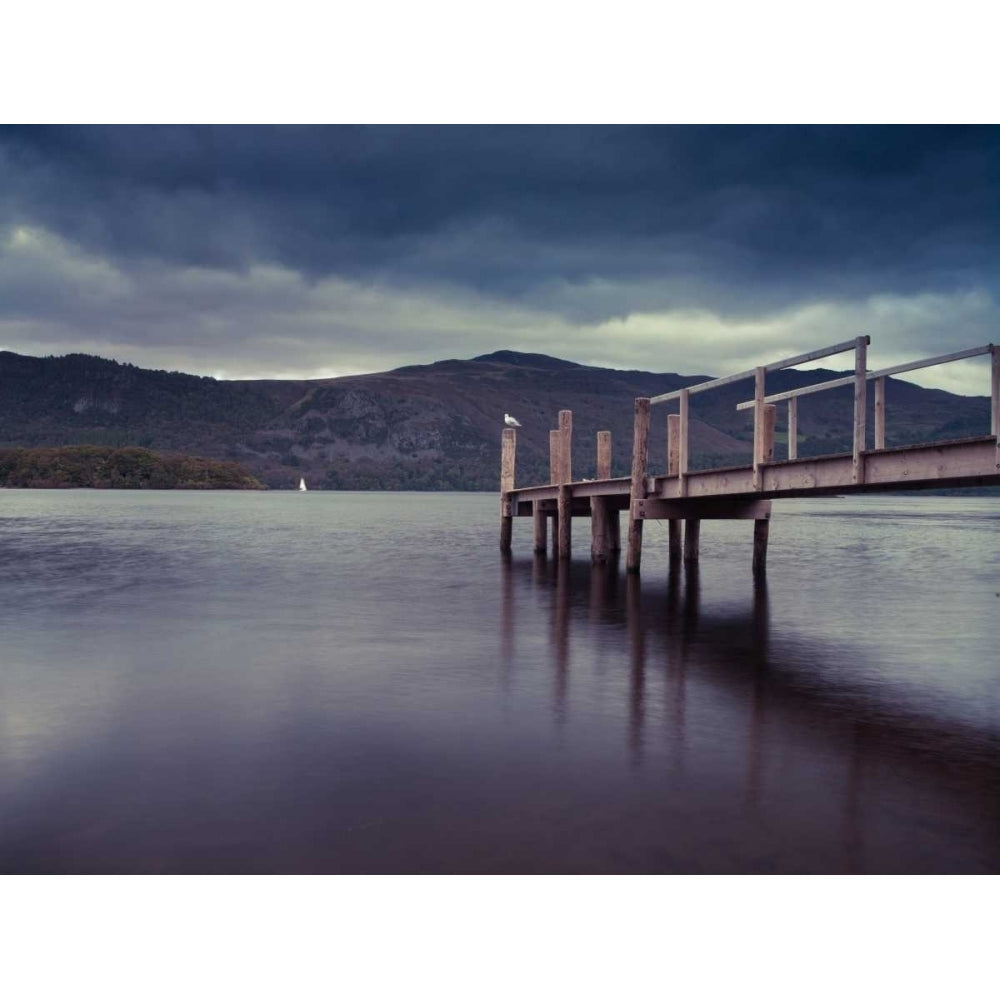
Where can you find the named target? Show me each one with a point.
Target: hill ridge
(433, 426)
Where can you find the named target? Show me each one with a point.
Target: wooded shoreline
(90, 466)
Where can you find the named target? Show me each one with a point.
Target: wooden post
(995, 393)
(770, 419)
(539, 520)
(566, 432)
(673, 443)
(673, 468)
(760, 526)
(758, 424)
(860, 407)
(604, 454)
(793, 428)
(760, 533)
(995, 401)
(508, 447)
(880, 414)
(555, 452)
(600, 533)
(682, 442)
(692, 535)
(614, 531)
(564, 504)
(640, 458)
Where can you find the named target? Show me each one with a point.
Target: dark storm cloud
(736, 219)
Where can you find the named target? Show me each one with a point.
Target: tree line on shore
(118, 468)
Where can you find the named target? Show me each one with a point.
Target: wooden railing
(879, 378)
(760, 402)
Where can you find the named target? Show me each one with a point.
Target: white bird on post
(510, 421)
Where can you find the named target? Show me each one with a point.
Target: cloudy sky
(306, 252)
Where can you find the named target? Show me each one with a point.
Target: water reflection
(784, 695)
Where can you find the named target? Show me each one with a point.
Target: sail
(302, 486)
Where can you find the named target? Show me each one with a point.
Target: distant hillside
(118, 468)
(431, 426)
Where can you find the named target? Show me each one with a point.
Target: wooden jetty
(744, 492)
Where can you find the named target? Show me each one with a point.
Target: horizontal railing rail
(774, 366)
(835, 383)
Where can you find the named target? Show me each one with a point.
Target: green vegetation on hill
(118, 468)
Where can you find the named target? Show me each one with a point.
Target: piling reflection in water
(874, 766)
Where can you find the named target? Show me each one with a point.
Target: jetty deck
(683, 496)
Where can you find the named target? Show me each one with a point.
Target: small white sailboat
(302, 486)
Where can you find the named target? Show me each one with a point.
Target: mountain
(433, 426)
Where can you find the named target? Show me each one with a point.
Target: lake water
(338, 682)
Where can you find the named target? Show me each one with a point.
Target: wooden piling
(793, 428)
(860, 408)
(761, 528)
(508, 449)
(564, 501)
(566, 433)
(555, 471)
(539, 521)
(637, 491)
(674, 541)
(564, 522)
(600, 527)
(880, 414)
(673, 468)
(692, 535)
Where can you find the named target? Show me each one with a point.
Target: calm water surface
(336, 682)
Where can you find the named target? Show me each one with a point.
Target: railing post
(600, 533)
(793, 429)
(682, 442)
(508, 447)
(995, 392)
(758, 423)
(640, 461)
(770, 419)
(860, 408)
(673, 468)
(880, 414)
(995, 400)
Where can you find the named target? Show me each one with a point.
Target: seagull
(510, 421)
